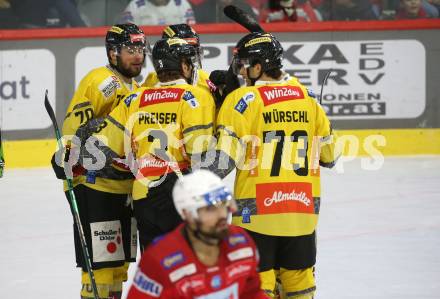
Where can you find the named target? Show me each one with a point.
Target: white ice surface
(378, 236)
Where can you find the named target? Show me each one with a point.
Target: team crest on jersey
(173, 260)
(237, 239)
(130, 98)
(190, 99)
(311, 93)
(216, 281)
(157, 96)
(276, 94)
(109, 86)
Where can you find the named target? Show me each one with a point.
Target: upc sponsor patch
(276, 94)
(241, 106)
(147, 285)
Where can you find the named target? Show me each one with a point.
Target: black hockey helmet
(186, 32)
(168, 54)
(183, 31)
(124, 35)
(255, 48)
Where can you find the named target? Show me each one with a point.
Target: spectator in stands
(7, 18)
(244, 5)
(291, 11)
(436, 4)
(413, 9)
(158, 12)
(203, 10)
(211, 11)
(347, 10)
(47, 13)
(101, 12)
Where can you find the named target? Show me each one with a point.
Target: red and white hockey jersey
(169, 269)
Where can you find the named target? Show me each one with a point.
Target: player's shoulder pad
(151, 80)
(197, 96)
(133, 97)
(104, 80)
(203, 81)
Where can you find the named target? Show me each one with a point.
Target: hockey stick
(2, 158)
(241, 17)
(324, 82)
(73, 202)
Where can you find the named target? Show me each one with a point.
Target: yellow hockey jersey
(202, 81)
(98, 93)
(162, 127)
(278, 135)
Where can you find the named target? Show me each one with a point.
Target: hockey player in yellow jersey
(164, 128)
(186, 32)
(105, 212)
(276, 135)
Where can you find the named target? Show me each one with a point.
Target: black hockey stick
(73, 202)
(2, 158)
(243, 18)
(324, 82)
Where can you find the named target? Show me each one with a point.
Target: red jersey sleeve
(150, 281)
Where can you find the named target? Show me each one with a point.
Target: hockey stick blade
(241, 17)
(51, 115)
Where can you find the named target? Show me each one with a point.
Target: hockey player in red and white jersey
(158, 12)
(204, 257)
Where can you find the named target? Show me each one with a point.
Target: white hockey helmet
(199, 189)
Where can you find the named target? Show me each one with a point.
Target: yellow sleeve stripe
(79, 106)
(118, 125)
